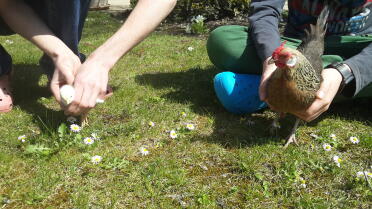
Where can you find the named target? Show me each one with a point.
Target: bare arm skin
(92, 77)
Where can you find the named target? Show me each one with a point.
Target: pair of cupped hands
(324, 97)
(89, 80)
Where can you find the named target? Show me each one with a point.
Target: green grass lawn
(228, 161)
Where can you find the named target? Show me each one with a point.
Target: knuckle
(84, 105)
(308, 113)
(326, 107)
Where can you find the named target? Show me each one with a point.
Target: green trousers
(230, 49)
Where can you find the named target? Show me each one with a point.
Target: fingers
(314, 111)
(54, 86)
(267, 71)
(85, 99)
(69, 78)
(320, 105)
(74, 108)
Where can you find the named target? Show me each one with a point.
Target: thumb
(54, 87)
(69, 78)
(262, 90)
(323, 90)
(320, 94)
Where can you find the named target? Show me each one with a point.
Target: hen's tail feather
(321, 23)
(319, 30)
(313, 42)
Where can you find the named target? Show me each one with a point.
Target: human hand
(90, 83)
(66, 67)
(324, 97)
(267, 71)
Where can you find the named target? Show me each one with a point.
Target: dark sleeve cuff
(352, 88)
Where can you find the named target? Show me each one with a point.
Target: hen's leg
(275, 125)
(292, 137)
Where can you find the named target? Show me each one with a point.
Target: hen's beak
(271, 61)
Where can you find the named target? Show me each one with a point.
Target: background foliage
(212, 9)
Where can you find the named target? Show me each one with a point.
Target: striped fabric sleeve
(263, 25)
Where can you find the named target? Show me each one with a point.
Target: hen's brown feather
(293, 89)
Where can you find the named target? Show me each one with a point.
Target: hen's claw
(291, 139)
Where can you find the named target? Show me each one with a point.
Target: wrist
(60, 52)
(101, 64)
(345, 73)
(332, 75)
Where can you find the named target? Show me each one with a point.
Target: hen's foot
(291, 139)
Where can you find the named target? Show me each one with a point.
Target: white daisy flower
(88, 140)
(173, 134)
(360, 174)
(303, 183)
(354, 140)
(327, 147)
(190, 48)
(190, 126)
(22, 138)
(96, 159)
(75, 128)
(144, 151)
(369, 174)
(71, 119)
(337, 160)
(95, 136)
(333, 137)
(198, 19)
(9, 41)
(151, 124)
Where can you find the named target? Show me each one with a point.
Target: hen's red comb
(278, 50)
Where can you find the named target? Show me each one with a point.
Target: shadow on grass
(27, 94)
(195, 87)
(353, 109)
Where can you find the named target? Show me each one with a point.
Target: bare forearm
(26, 23)
(146, 16)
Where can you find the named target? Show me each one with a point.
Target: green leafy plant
(212, 9)
(197, 25)
(38, 149)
